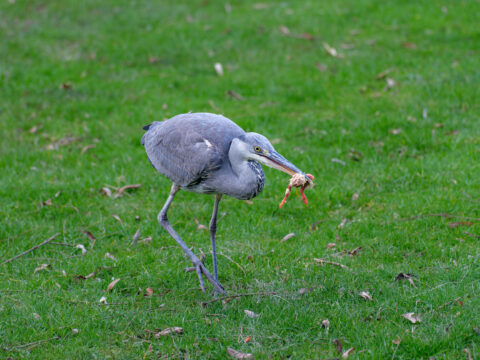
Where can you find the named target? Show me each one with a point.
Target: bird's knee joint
(162, 219)
(212, 228)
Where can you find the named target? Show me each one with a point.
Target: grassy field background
(395, 106)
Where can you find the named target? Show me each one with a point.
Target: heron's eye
(257, 148)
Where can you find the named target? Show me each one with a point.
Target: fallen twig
(63, 244)
(21, 346)
(205, 303)
(322, 261)
(30, 250)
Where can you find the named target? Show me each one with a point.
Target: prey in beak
(299, 178)
(274, 160)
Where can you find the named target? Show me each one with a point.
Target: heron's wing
(181, 154)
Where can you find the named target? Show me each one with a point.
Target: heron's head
(257, 147)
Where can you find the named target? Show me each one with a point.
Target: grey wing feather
(181, 154)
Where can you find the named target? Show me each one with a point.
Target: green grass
(128, 63)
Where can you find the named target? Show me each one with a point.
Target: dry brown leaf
(149, 292)
(326, 325)
(383, 74)
(347, 353)
(288, 236)
(66, 86)
(87, 147)
(306, 36)
(390, 83)
(331, 245)
(366, 295)
(251, 314)
(34, 129)
(81, 277)
(112, 284)
(200, 226)
(409, 45)
(284, 30)
(321, 67)
(469, 354)
(89, 235)
(354, 251)
(116, 217)
(47, 202)
(354, 196)
(408, 277)
(342, 223)
(397, 341)
(218, 69)
(168, 331)
(238, 355)
(338, 345)
(41, 267)
(330, 50)
(146, 240)
(127, 187)
(106, 191)
(303, 291)
(234, 95)
(36, 316)
(135, 237)
(412, 317)
(110, 256)
(82, 248)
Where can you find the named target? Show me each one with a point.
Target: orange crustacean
(298, 181)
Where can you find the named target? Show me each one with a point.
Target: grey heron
(209, 154)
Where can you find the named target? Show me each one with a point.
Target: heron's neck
(249, 173)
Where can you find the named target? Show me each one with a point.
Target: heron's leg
(213, 230)
(199, 267)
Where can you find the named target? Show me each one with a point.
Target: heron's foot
(201, 269)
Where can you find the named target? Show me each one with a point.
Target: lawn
(377, 99)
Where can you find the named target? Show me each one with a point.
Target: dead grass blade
(347, 353)
(288, 236)
(112, 284)
(323, 261)
(40, 268)
(135, 237)
(169, 331)
(121, 190)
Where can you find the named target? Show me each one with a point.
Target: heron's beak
(277, 161)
